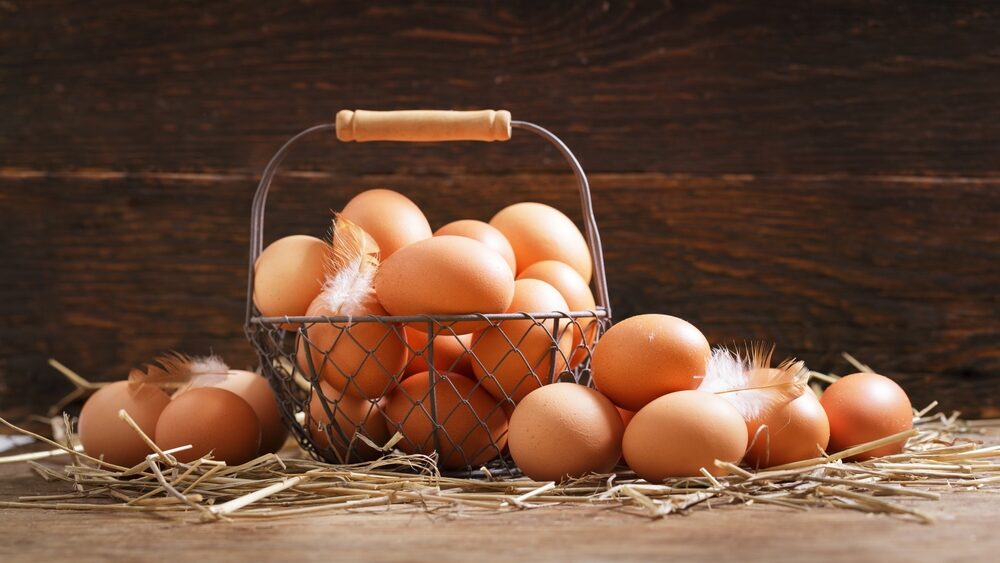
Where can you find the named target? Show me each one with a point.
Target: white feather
(208, 365)
(180, 372)
(748, 382)
(725, 371)
(349, 288)
(350, 270)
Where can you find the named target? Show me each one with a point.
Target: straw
(943, 454)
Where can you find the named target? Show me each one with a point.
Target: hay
(936, 459)
(943, 454)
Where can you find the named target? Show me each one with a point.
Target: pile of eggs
(231, 414)
(492, 389)
(648, 412)
(373, 378)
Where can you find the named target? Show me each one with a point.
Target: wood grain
(687, 86)
(823, 175)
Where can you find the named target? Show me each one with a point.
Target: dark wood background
(823, 174)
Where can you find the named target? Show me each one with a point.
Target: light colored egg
(210, 420)
(350, 415)
(104, 435)
(678, 434)
(450, 352)
(539, 232)
(391, 218)
(445, 275)
(565, 430)
(361, 358)
(288, 275)
(796, 431)
(516, 357)
(647, 356)
(863, 407)
(484, 233)
(256, 391)
(471, 427)
(578, 296)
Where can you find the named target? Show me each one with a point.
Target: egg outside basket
(468, 433)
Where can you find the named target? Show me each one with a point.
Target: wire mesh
(347, 387)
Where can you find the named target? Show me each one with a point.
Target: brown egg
(350, 414)
(473, 428)
(363, 358)
(578, 297)
(516, 357)
(645, 357)
(106, 436)
(450, 352)
(864, 407)
(210, 420)
(256, 391)
(539, 232)
(799, 430)
(288, 275)
(626, 415)
(565, 430)
(678, 434)
(484, 233)
(445, 275)
(389, 217)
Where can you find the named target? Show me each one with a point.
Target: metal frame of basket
(462, 419)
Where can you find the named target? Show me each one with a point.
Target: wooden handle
(423, 125)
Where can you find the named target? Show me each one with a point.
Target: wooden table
(965, 531)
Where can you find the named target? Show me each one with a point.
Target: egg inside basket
(389, 336)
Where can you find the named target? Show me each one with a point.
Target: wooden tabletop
(965, 531)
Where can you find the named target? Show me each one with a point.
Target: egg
(484, 233)
(445, 275)
(211, 420)
(797, 431)
(539, 232)
(516, 357)
(863, 407)
(578, 296)
(470, 427)
(647, 356)
(362, 358)
(350, 414)
(626, 415)
(451, 352)
(389, 217)
(256, 391)
(565, 430)
(288, 275)
(104, 435)
(678, 434)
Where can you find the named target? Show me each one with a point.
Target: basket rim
(598, 312)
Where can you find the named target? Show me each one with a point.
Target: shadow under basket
(353, 389)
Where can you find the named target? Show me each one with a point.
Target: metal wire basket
(454, 392)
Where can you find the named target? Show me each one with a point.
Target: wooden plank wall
(823, 174)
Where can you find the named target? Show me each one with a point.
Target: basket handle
(423, 125)
(428, 125)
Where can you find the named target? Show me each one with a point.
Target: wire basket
(341, 386)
